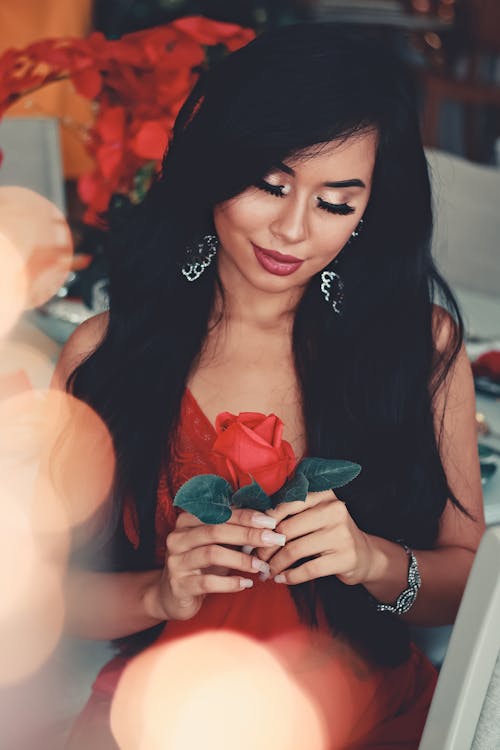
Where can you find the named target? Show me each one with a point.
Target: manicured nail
(280, 578)
(247, 548)
(264, 522)
(270, 537)
(246, 583)
(265, 576)
(260, 565)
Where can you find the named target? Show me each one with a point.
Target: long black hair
(368, 377)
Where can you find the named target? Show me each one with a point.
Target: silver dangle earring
(332, 285)
(200, 256)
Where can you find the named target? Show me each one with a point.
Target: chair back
(466, 240)
(463, 709)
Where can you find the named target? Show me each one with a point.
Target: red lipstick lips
(276, 263)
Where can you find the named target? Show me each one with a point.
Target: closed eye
(276, 190)
(334, 208)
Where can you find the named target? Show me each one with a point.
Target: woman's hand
(201, 559)
(320, 527)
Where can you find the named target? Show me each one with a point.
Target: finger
(265, 553)
(205, 557)
(197, 585)
(311, 519)
(239, 516)
(298, 506)
(185, 520)
(182, 540)
(249, 517)
(317, 543)
(321, 516)
(322, 566)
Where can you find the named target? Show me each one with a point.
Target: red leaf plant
(138, 84)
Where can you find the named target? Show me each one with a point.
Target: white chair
(32, 156)
(465, 710)
(466, 241)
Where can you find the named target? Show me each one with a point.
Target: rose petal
(271, 478)
(111, 124)
(241, 444)
(248, 418)
(88, 83)
(223, 420)
(150, 141)
(269, 430)
(109, 158)
(206, 31)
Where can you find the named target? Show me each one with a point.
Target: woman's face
(305, 210)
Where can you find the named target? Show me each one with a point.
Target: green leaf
(295, 489)
(207, 497)
(328, 473)
(251, 496)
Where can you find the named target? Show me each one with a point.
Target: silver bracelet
(406, 599)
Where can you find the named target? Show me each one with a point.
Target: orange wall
(25, 21)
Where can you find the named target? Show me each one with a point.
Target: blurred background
(80, 127)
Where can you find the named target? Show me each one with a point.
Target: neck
(254, 308)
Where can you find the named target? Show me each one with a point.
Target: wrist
(153, 599)
(388, 573)
(380, 559)
(395, 577)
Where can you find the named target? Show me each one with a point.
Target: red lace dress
(363, 707)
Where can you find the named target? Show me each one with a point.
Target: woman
(281, 263)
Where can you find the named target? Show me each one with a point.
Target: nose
(290, 224)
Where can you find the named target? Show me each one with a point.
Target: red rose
(251, 445)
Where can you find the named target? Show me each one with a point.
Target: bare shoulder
(458, 385)
(83, 341)
(456, 435)
(443, 328)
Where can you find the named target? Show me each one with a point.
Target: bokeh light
(38, 231)
(51, 438)
(13, 284)
(22, 367)
(215, 690)
(56, 470)
(32, 606)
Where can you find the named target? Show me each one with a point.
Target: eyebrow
(355, 182)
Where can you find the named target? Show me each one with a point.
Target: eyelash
(333, 208)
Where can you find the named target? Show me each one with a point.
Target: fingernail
(260, 565)
(280, 578)
(247, 548)
(246, 583)
(264, 522)
(264, 576)
(270, 537)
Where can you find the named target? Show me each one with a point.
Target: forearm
(444, 573)
(104, 606)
